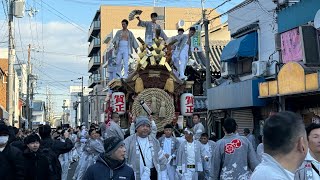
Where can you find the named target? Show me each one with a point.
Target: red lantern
(187, 104)
(118, 101)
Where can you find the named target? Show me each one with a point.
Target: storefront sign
(196, 40)
(291, 47)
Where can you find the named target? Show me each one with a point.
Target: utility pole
(82, 103)
(206, 46)
(11, 58)
(28, 89)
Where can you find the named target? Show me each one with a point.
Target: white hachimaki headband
(188, 131)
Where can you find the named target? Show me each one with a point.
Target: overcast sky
(58, 33)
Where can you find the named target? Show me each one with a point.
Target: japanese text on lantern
(189, 104)
(119, 104)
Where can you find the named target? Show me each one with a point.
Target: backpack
(55, 169)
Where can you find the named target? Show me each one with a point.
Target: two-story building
(296, 84)
(248, 59)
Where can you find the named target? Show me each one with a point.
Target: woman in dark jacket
(36, 164)
(111, 164)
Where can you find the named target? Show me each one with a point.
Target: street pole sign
(196, 40)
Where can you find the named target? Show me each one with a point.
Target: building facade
(296, 85)
(3, 88)
(74, 105)
(248, 59)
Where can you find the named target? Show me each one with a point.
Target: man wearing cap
(144, 154)
(154, 129)
(114, 129)
(11, 159)
(111, 164)
(189, 162)
(170, 146)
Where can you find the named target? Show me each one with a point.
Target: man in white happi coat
(208, 147)
(234, 157)
(183, 47)
(175, 52)
(285, 147)
(169, 145)
(124, 41)
(151, 28)
(311, 165)
(189, 161)
(114, 129)
(198, 128)
(144, 154)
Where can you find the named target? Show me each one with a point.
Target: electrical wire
(220, 5)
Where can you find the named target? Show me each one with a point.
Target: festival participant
(208, 147)
(198, 128)
(250, 137)
(144, 154)
(91, 150)
(311, 164)
(175, 53)
(124, 41)
(234, 156)
(114, 129)
(189, 162)
(151, 27)
(183, 46)
(169, 145)
(285, 147)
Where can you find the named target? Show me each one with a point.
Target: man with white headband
(144, 154)
(189, 161)
(11, 159)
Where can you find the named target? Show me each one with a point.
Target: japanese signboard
(118, 102)
(196, 40)
(187, 104)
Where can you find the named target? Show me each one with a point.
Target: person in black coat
(11, 159)
(36, 164)
(18, 140)
(111, 164)
(56, 147)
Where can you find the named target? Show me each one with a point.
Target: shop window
(244, 66)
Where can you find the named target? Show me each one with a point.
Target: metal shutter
(244, 119)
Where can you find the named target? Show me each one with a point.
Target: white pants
(169, 173)
(184, 55)
(123, 54)
(189, 174)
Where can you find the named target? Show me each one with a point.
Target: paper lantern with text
(187, 104)
(118, 102)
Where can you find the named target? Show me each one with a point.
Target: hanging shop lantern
(187, 104)
(118, 102)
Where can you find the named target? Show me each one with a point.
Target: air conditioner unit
(259, 68)
(227, 69)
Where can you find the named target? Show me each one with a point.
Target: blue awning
(244, 46)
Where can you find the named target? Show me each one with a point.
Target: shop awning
(244, 46)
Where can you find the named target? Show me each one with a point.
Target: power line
(218, 6)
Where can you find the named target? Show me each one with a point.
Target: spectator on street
(111, 164)
(36, 164)
(11, 159)
(53, 148)
(285, 147)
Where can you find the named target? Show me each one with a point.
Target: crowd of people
(288, 151)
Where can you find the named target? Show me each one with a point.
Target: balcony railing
(94, 28)
(94, 45)
(94, 63)
(93, 80)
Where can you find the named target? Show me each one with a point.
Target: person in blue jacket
(111, 165)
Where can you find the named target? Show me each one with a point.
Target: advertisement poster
(196, 40)
(291, 46)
